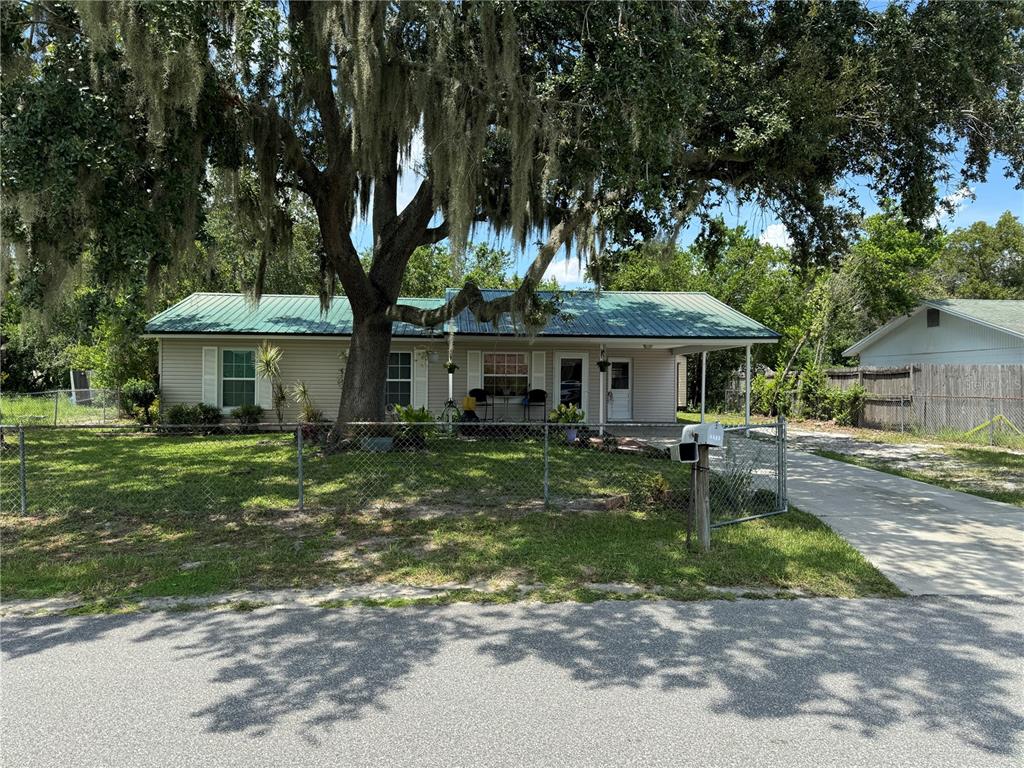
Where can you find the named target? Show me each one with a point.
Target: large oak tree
(569, 124)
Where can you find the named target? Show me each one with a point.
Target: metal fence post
(546, 488)
(56, 406)
(21, 471)
(780, 462)
(298, 443)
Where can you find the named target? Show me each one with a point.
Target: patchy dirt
(958, 464)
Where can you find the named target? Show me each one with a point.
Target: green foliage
(846, 405)
(983, 261)
(138, 398)
(772, 396)
(409, 415)
(566, 414)
(308, 412)
(248, 414)
(200, 414)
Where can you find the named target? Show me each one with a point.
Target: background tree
(574, 123)
(984, 261)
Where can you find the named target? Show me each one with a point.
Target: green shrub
(816, 396)
(566, 414)
(847, 405)
(137, 398)
(199, 414)
(771, 396)
(248, 414)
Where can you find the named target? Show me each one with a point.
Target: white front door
(620, 389)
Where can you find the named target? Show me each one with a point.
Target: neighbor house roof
(1005, 315)
(607, 314)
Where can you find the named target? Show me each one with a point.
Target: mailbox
(709, 433)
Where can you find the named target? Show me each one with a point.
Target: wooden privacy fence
(936, 398)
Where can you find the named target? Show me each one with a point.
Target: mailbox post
(693, 449)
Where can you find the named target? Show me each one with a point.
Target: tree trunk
(362, 391)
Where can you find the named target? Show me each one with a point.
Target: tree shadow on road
(860, 666)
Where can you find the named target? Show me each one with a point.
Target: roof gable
(1005, 315)
(608, 314)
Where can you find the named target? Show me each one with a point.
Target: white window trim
(556, 386)
(227, 409)
(388, 379)
(483, 367)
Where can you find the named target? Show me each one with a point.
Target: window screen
(398, 388)
(238, 378)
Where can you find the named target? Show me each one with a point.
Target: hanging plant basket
(451, 367)
(604, 365)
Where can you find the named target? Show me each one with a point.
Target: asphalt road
(919, 681)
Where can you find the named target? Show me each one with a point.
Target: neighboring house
(948, 331)
(207, 346)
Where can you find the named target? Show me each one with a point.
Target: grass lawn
(36, 410)
(122, 516)
(728, 419)
(980, 471)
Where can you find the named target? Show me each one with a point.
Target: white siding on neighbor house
(317, 362)
(954, 340)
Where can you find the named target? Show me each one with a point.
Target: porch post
(602, 397)
(703, 382)
(746, 381)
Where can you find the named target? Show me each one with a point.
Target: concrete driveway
(927, 540)
(798, 683)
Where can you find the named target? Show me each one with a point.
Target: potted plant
(417, 423)
(603, 363)
(451, 366)
(567, 414)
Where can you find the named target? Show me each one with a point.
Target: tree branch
(470, 296)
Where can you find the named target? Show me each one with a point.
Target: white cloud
(569, 272)
(776, 236)
(949, 205)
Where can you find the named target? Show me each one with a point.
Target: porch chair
(482, 403)
(535, 398)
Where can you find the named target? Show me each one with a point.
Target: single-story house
(948, 331)
(207, 345)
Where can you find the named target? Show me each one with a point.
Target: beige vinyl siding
(317, 363)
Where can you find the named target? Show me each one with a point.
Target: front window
(505, 373)
(238, 377)
(398, 389)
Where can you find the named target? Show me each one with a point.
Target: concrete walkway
(927, 540)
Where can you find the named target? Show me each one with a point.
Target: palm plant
(268, 365)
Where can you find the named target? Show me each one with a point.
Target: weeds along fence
(423, 469)
(995, 421)
(60, 407)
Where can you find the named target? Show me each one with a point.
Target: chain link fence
(408, 469)
(60, 407)
(995, 421)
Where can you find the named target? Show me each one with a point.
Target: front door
(620, 390)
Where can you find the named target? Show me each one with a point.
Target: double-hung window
(238, 377)
(398, 388)
(505, 373)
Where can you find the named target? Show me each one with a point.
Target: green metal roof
(585, 314)
(1005, 314)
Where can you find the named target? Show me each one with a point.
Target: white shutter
(264, 396)
(474, 370)
(210, 376)
(419, 378)
(537, 372)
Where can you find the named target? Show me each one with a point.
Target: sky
(984, 202)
